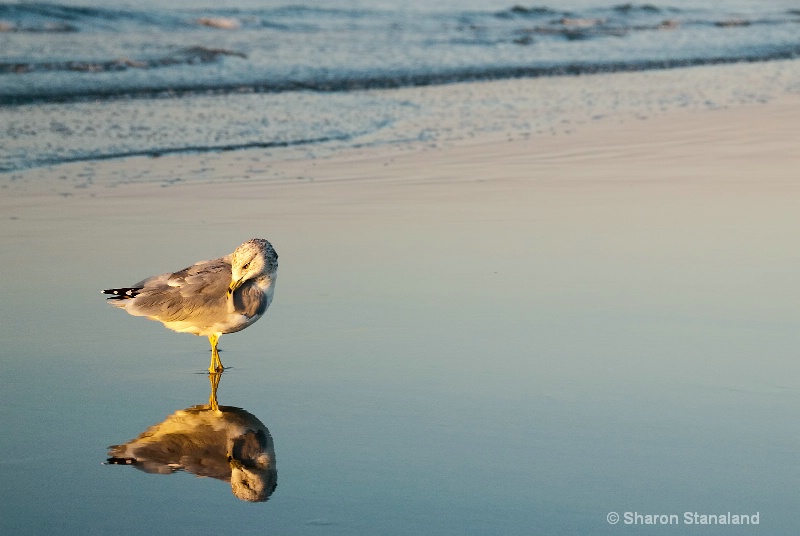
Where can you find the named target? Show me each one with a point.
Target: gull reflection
(221, 442)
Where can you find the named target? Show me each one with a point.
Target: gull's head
(251, 457)
(255, 481)
(255, 258)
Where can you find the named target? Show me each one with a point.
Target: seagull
(223, 295)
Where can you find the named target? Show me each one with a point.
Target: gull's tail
(120, 461)
(125, 293)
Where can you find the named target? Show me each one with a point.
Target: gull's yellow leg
(216, 364)
(214, 378)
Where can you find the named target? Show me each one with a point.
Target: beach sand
(685, 169)
(599, 316)
(622, 212)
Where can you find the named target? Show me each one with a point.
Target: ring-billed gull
(209, 298)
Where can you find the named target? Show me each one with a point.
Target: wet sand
(690, 158)
(486, 335)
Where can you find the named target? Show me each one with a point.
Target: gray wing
(201, 452)
(194, 292)
(185, 440)
(249, 446)
(250, 301)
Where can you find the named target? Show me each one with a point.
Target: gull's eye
(246, 266)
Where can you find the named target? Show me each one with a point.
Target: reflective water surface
(207, 440)
(508, 360)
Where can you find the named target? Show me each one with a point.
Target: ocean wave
(535, 12)
(195, 55)
(43, 17)
(156, 152)
(107, 52)
(313, 59)
(384, 80)
(48, 17)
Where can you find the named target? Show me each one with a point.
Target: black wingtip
(125, 293)
(120, 461)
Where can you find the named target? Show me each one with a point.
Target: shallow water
(474, 370)
(80, 81)
(312, 124)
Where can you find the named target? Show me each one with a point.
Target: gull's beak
(233, 286)
(234, 463)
